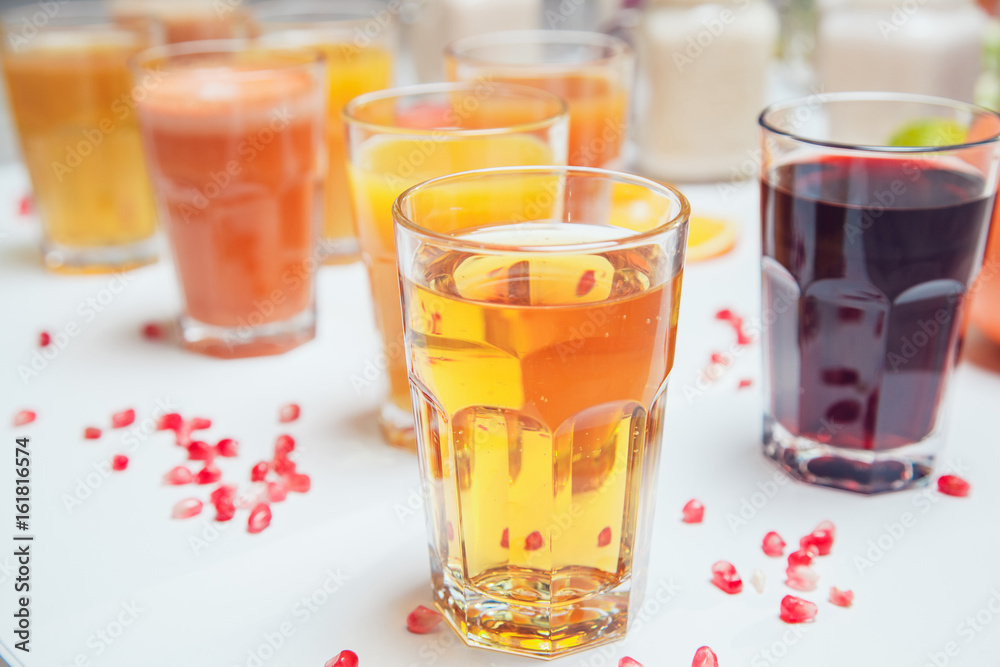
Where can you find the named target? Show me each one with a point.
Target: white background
(355, 532)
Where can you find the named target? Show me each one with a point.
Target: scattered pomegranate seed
(260, 518)
(91, 433)
(718, 358)
(24, 206)
(170, 422)
(187, 508)
(343, 659)
(422, 620)
(179, 475)
(208, 475)
(725, 315)
(801, 577)
(283, 445)
(119, 462)
(744, 383)
(534, 541)
(953, 485)
(705, 657)
(586, 283)
(44, 339)
(123, 418)
(797, 610)
(200, 451)
(604, 538)
(288, 413)
(693, 512)
(283, 465)
(505, 539)
(259, 471)
(199, 423)
(841, 598)
(629, 662)
(222, 492)
(758, 580)
(24, 417)
(819, 538)
(774, 545)
(802, 556)
(298, 483)
(725, 577)
(152, 331)
(227, 447)
(225, 510)
(276, 492)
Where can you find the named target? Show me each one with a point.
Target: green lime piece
(929, 132)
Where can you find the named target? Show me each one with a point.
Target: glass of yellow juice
(359, 40)
(539, 338)
(400, 137)
(73, 102)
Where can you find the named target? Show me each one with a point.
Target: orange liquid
(234, 165)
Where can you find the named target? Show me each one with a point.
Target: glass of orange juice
(358, 39)
(593, 72)
(540, 343)
(234, 135)
(400, 137)
(73, 102)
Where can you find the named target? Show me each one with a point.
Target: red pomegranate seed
(725, 577)
(24, 206)
(725, 315)
(259, 471)
(422, 620)
(24, 417)
(283, 445)
(797, 610)
(179, 475)
(44, 339)
(119, 462)
(199, 423)
(629, 662)
(260, 518)
(953, 485)
(801, 577)
(123, 418)
(283, 465)
(802, 556)
(819, 538)
(227, 447)
(170, 422)
(534, 541)
(91, 433)
(604, 538)
(298, 483)
(744, 383)
(200, 451)
(276, 492)
(693, 512)
(289, 413)
(841, 598)
(187, 508)
(718, 358)
(774, 545)
(152, 331)
(343, 659)
(222, 492)
(586, 283)
(505, 539)
(208, 475)
(225, 509)
(705, 657)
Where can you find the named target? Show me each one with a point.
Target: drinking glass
(875, 210)
(400, 137)
(73, 101)
(358, 39)
(593, 72)
(188, 20)
(234, 139)
(539, 345)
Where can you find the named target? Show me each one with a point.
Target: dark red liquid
(866, 265)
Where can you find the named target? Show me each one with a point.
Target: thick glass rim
(616, 47)
(680, 219)
(294, 58)
(825, 100)
(319, 14)
(350, 117)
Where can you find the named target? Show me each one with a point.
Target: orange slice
(709, 237)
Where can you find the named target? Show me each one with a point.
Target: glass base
(397, 427)
(112, 259)
(246, 341)
(340, 251)
(858, 470)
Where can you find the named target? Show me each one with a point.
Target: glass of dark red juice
(875, 209)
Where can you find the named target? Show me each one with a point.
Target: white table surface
(355, 532)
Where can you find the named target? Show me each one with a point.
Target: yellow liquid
(80, 141)
(541, 381)
(387, 166)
